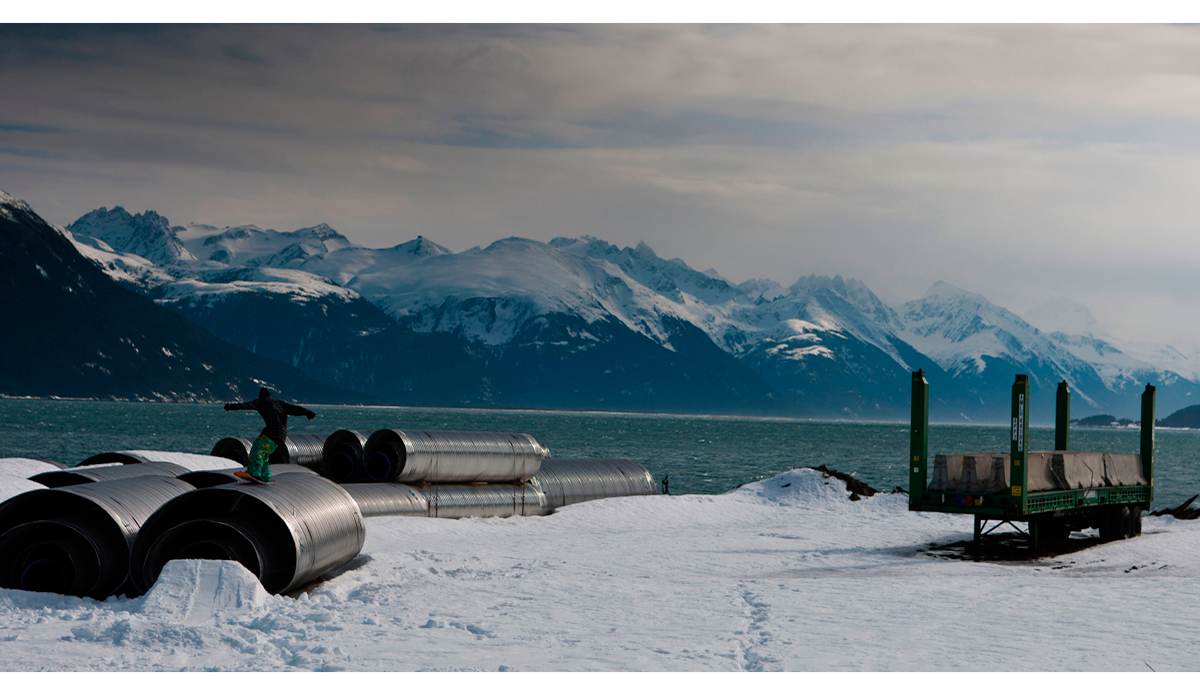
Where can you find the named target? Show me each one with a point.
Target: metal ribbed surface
(205, 479)
(300, 449)
(388, 499)
(77, 476)
(111, 457)
(300, 527)
(191, 462)
(449, 501)
(304, 449)
(342, 456)
(493, 499)
(76, 540)
(568, 481)
(453, 457)
(236, 449)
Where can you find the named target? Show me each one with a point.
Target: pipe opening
(224, 538)
(340, 467)
(252, 526)
(51, 556)
(385, 464)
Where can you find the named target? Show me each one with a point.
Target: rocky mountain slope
(579, 323)
(72, 332)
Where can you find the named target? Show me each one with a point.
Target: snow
(23, 468)
(783, 574)
(12, 485)
(192, 462)
(296, 284)
(490, 295)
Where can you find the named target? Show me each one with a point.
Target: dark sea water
(701, 454)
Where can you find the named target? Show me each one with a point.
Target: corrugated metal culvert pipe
(300, 449)
(76, 540)
(287, 534)
(93, 474)
(236, 449)
(449, 501)
(411, 456)
(568, 481)
(192, 462)
(204, 479)
(559, 482)
(343, 456)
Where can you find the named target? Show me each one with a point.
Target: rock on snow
(783, 574)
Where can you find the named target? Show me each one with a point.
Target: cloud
(1012, 160)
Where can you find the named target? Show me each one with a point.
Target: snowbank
(784, 574)
(23, 468)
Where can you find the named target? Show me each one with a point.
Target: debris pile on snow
(1183, 511)
(810, 484)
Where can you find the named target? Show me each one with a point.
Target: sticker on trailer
(1016, 491)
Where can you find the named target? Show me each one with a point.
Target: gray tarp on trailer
(988, 473)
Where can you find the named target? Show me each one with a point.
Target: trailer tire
(1049, 534)
(1120, 523)
(1108, 523)
(1136, 513)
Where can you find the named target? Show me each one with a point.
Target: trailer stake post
(1148, 399)
(1062, 418)
(918, 458)
(1018, 471)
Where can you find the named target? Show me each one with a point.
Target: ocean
(700, 454)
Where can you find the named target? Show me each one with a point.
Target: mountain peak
(644, 248)
(146, 234)
(9, 201)
(942, 290)
(422, 247)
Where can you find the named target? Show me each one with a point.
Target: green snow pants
(257, 466)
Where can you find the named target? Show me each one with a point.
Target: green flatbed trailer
(1051, 514)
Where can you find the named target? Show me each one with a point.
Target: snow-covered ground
(783, 574)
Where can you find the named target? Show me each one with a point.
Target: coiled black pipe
(287, 534)
(342, 457)
(76, 540)
(300, 449)
(569, 481)
(94, 474)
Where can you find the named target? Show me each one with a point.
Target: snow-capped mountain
(579, 322)
(982, 344)
(148, 234)
(71, 331)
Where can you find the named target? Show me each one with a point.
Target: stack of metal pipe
(300, 449)
(109, 529)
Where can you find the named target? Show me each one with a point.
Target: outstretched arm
(297, 410)
(240, 406)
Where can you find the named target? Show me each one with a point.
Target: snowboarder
(274, 413)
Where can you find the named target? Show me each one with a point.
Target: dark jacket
(274, 413)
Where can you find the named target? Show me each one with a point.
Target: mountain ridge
(828, 345)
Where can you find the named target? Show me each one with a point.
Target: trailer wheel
(1108, 523)
(1136, 514)
(1048, 534)
(1116, 523)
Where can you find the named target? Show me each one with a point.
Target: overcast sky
(1022, 162)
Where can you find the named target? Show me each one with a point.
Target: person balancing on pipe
(275, 414)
